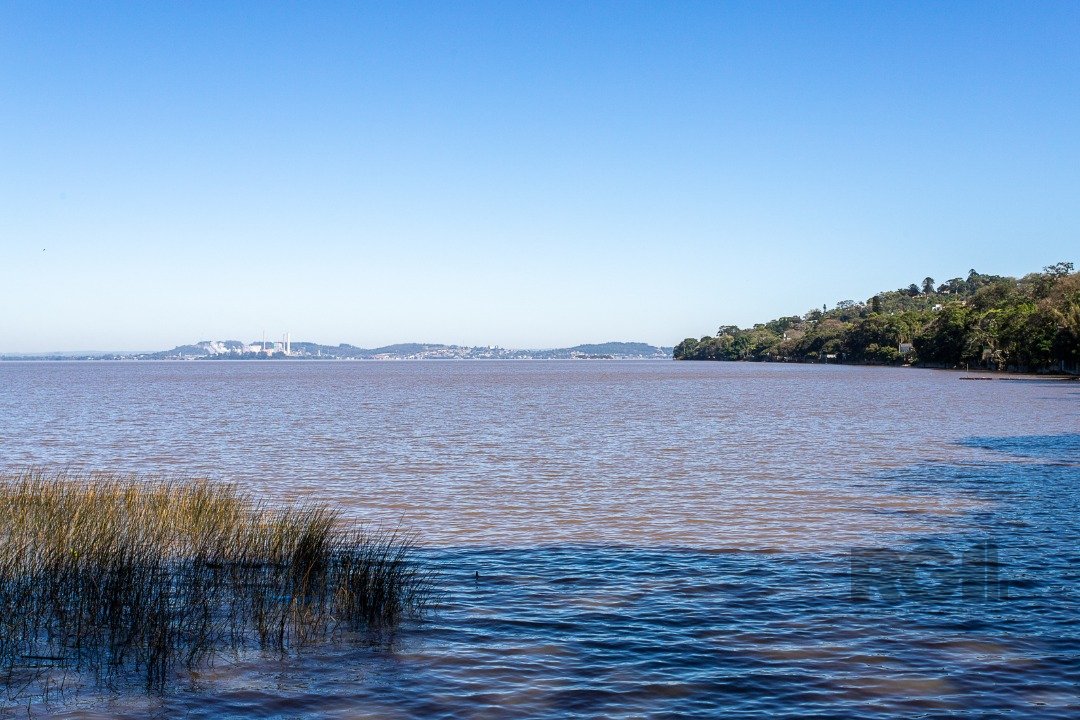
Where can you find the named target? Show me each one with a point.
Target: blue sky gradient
(521, 174)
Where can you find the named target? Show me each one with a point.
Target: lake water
(652, 539)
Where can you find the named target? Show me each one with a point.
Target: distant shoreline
(991, 374)
(966, 374)
(40, 359)
(233, 350)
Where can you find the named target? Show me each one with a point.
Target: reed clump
(105, 573)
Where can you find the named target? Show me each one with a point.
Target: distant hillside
(238, 350)
(990, 321)
(621, 349)
(406, 349)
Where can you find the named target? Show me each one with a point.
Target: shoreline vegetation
(108, 577)
(982, 322)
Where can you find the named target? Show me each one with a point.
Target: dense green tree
(1059, 270)
(686, 350)
(782, 325)
(877, 332)
(945, 339)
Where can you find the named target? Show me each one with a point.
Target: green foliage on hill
(999, 323)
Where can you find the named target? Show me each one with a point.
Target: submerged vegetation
(998, 323)
(101, 575)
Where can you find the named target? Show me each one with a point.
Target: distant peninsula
(991, 322)
(285, 349)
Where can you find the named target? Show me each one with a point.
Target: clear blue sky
(522, 174)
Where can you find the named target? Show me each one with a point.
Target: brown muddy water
(624, 539)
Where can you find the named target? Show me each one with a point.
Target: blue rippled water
(630, 540)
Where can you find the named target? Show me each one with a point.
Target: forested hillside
(990, 321)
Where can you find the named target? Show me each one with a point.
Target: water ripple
(626, 539)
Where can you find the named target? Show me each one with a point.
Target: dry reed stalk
(104, 573)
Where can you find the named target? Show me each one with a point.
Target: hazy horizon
(531, 175)
(296, 341)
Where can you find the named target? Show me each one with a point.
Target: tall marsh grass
(102, 573)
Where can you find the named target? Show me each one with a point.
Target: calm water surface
(653, 539)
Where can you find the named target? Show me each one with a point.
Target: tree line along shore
(992, 322)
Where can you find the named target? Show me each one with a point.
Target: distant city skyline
(530, 175)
